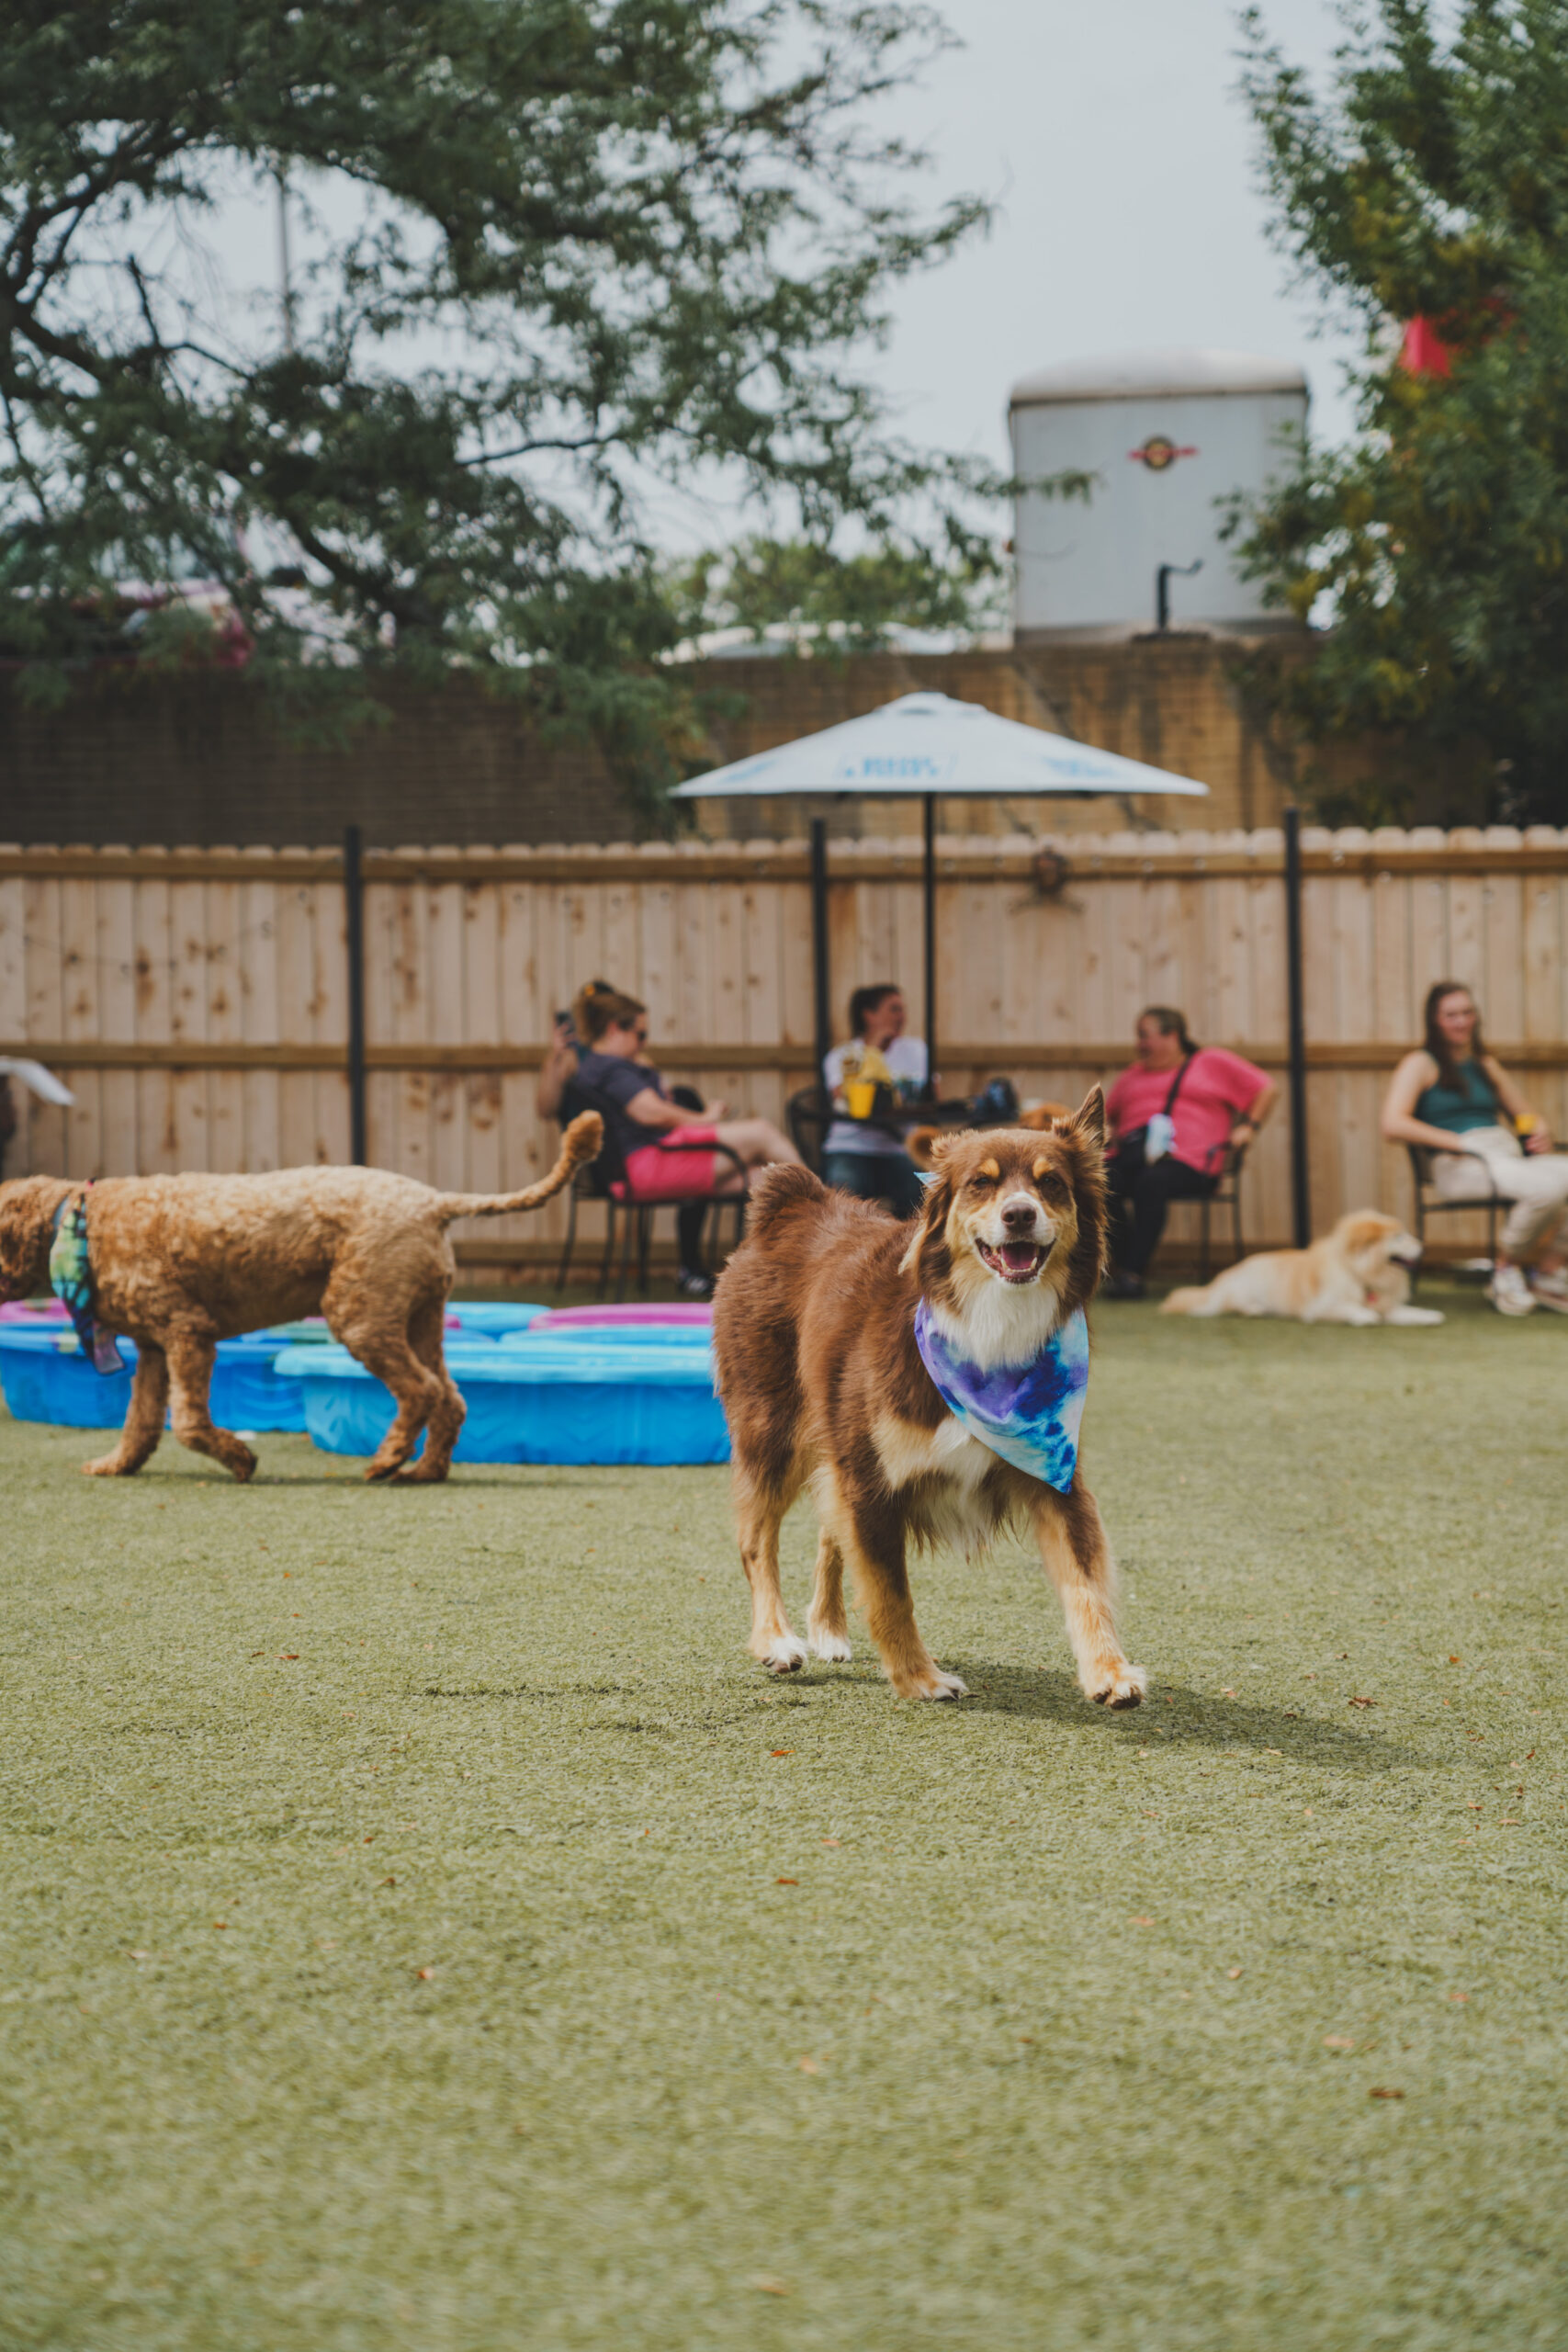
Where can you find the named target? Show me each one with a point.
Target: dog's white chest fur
(905, 1452)
(998, 1325)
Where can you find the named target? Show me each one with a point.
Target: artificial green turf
(790, 2014)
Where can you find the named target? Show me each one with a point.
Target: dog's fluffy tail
(581, 1143)
(1187, 1302)
(777, 1189)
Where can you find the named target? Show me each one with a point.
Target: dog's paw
(934, 1684)
(785, 1654)
(834, 1647)
(1114, 1683)
(108, 1465)
(242, 1466)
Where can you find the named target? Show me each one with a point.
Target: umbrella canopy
(926, 747)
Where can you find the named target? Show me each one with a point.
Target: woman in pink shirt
(1171, 1116)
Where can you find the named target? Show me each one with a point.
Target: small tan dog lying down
(1360, 1274)
(826, 1383)
(179, 1263)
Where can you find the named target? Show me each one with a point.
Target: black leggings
(1141, 1192)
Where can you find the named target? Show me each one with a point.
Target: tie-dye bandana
(1028, 1413)
(71, 1279)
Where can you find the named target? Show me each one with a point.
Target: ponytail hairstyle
(1170, 1024)
(1437, 1044)
(597, 1007)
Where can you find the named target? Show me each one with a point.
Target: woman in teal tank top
(1463, 1098)
(1456, 1101)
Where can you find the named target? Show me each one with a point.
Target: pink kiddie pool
(26, 1311)
(587, 1318)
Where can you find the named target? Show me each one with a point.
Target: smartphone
(566, 1029)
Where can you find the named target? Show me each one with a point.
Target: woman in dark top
(1457, 1099)
(612, 1032)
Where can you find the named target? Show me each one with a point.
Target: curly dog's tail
(581, 1142)
(778, 1188)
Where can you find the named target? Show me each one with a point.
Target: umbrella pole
(930, 912)
(819, 943)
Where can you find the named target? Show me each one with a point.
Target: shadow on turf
(1191, 1720)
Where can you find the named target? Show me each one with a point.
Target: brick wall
(202, 760)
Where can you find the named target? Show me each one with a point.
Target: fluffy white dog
(1360, 1274)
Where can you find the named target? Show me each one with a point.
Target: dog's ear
(1087, 1120)
(945, 1142)
(27, 1212)
(921, 1143)
(932, 1221)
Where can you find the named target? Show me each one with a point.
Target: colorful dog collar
(1027, 1413)
(71, 1279)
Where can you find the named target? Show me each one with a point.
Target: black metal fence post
(354, 938)
(819, 943)
(930, 915)
(1300, 1204)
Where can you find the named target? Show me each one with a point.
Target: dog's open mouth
(1015, 1261)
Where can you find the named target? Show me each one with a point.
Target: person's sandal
(693, 1283)
(1551, 1290)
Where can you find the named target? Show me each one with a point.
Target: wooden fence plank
(44, 974)
(15, 1156)
(82, 1011)
(114, 923)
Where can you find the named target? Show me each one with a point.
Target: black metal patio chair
(1430, 1203)
(605, 1180)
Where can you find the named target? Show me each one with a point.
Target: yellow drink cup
(860, 1096)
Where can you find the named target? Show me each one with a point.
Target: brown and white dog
(1359, 1273)
(179, 1263)
(823, 1384)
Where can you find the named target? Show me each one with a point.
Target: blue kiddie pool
(489, 1320)
(627, 1340)
(556, 1400)
(46, 1377)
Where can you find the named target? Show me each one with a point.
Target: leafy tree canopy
(559, 255)
(824, 601)
(1432, 183)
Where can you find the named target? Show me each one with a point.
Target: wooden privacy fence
(197, 1000)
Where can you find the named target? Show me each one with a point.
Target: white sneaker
(1552, 1290)
(1509, 1291)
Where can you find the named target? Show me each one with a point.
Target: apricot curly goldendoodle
(179, 1263)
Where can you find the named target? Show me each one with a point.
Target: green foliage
(1433, 183)
(827, 602)
(557, 256)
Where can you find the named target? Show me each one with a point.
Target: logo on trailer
(1159, 452)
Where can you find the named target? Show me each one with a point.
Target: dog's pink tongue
(1019, 1255)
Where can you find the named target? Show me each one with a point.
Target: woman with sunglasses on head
(613, 1030)
(1456, 1099)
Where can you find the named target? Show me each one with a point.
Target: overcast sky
(1121, 159)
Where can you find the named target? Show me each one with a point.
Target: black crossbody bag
(1135, 1145)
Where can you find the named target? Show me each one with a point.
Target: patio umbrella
(925, 746)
